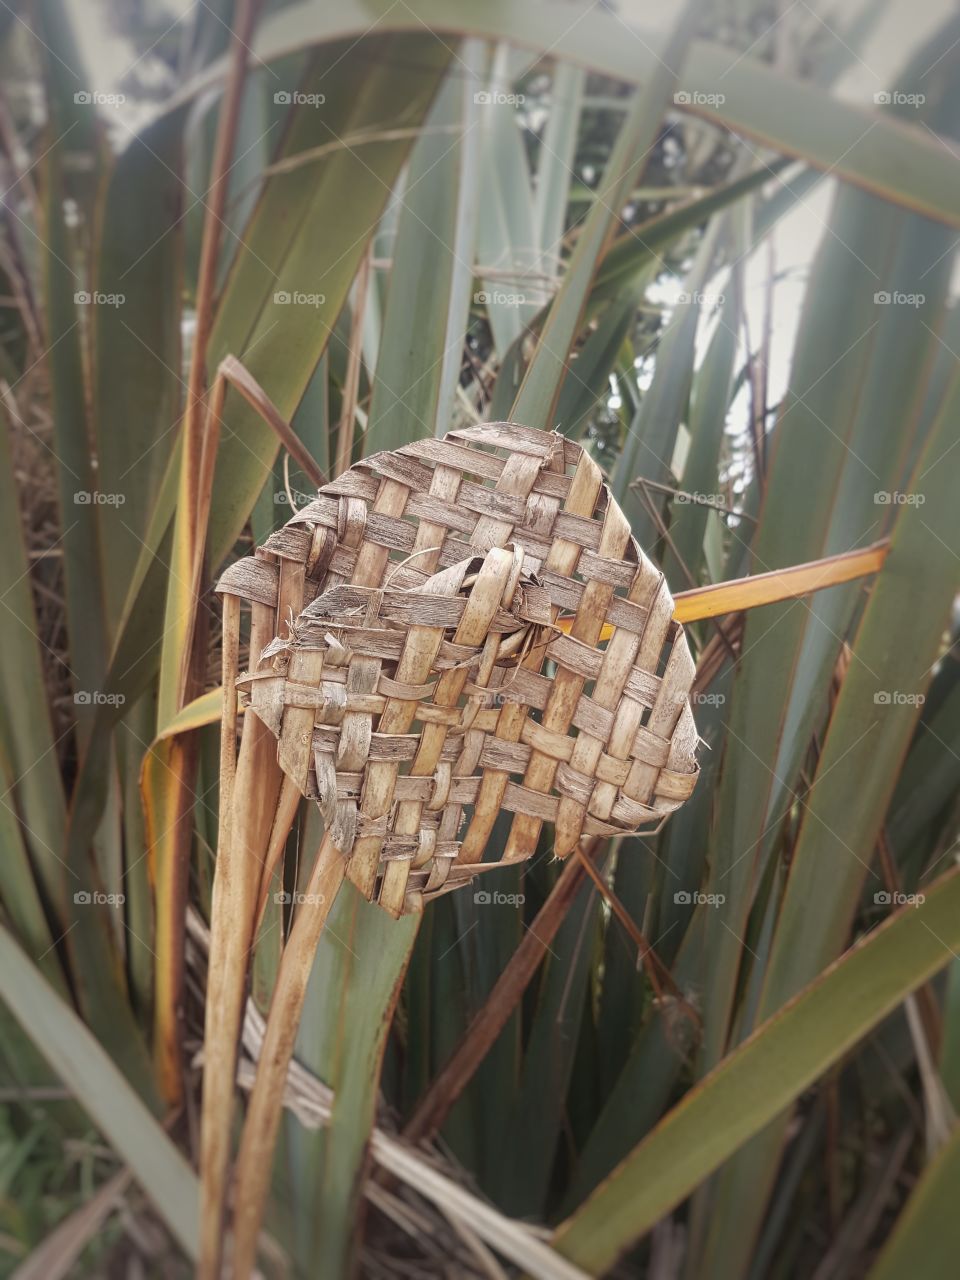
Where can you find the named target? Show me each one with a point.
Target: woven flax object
(463, 627)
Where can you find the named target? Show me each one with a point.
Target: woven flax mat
(462, 627)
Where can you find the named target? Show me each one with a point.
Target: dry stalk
(244, 829)
(255, 1158)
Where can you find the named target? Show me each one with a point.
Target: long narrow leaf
(926, 1239)
(92, 1076)
(761, 1078)
(537, 397)
(900, 162)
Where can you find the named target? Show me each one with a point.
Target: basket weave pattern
(414, 604)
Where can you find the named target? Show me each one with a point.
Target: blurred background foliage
(726, 265)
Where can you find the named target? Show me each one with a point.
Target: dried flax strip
(296, 729)
(414, 666)
(416, 662)
(562, 559)
(622, 652)
(568, 685)
(496, 582)
(243, 835)
(255, 1157)
(517, 480)
(372, 560)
